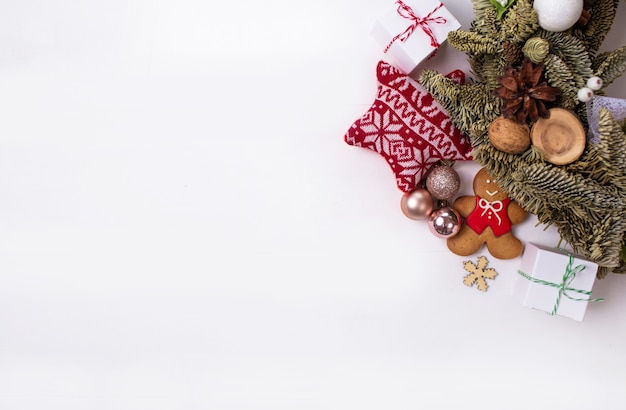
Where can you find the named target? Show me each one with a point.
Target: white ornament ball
(558, 15)
(585, 94)
(595, 83)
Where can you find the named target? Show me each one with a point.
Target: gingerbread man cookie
(489, 218)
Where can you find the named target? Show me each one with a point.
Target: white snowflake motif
(381, 130)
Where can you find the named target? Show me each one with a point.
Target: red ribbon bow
(423, 23)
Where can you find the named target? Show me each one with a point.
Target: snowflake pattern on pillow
(408, 127)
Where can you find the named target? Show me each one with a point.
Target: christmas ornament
(536, 49)
(572, 197)
(417, 204)
(478, 273)
(524, 92)
(443, 182)
(489, 217)
(558, 15)
(408, 128)
(594, 83)
(585, 94)
(444, 222)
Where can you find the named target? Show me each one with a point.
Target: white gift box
(555, 281)
(406, 30)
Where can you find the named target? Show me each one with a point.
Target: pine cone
(524, 92)
(512, 53)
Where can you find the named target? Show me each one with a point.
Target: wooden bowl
(561, 137)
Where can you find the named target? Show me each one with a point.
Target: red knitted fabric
(408, 127)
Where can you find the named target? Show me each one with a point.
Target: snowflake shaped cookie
(478, 273)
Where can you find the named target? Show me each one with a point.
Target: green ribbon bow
(564, 287)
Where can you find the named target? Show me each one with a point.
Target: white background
(183, 227)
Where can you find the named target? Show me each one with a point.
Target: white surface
(183, 227)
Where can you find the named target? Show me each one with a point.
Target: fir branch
(559, 75)
(482, 8)
(593, 237)
(488, 24)
(613, 138)
(467, 104)
(592, 164)
(521, 21)
(444, 89)
(609, 231)
(491, 67)
(600, 22)
(477, 62)
(472, 42)
(558, 186)
(610, 65)
(573, 53)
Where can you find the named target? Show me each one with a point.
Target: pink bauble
(417, 204)
(444, 222)
(443, 182)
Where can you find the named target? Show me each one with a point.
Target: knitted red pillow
(408, 127)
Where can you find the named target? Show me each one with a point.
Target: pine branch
(610, 65)
(612, 135)
(482, 8)
(491, 67)
(468, 104)
(488, 24)
(572, 190)
(609, 231)
(521, 21)
(559, 75)
(599, 24)
(593, 164)
(572, 51)
(472, 43)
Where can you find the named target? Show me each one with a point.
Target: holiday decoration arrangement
(534, 115)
